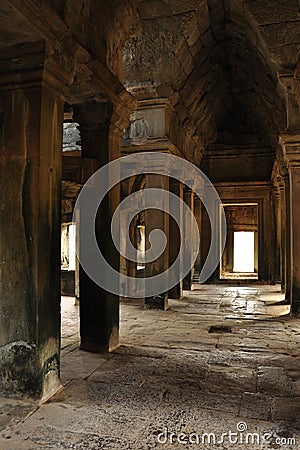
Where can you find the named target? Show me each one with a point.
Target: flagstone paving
(220, 369)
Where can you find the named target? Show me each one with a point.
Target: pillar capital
(174, 182)
(93, 114)
(280, 181)
(188, 191)
(291, 149)
(277, 176)
(122, 107)
(102, 123)
(32, 65)
(276, 190)
(100, 115)
(288, 81)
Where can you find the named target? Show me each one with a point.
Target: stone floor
(220, 369)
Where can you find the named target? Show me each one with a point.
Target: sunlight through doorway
(243, 258)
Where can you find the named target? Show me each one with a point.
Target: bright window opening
(141, 244)
(68, 247)
(243, 259)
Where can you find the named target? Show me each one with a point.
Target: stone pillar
(132, 271)
(229, 249)
(271, 227)
(157, 219)
(291, 151)
(101, 132)
(198, 217)
(188, 197)
(283, 232)
(276, 193)
(287, 239)
(77, 272)
(176, 187)
(256, 251)
(266, 238)
(31, 123)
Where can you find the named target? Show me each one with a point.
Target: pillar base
(20, 375)
(101, 347)
(295, 310)
(157, 302)
(188, 281)
(94, 348)
(176, 292)
(295, 304)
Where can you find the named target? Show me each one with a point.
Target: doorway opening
(69, 306)
(68, 259)
(141, 244)
(240, 256)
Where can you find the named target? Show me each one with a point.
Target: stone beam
(93, 77)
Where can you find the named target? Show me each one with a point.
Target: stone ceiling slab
(270, 11)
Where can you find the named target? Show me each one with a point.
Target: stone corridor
(172, 375)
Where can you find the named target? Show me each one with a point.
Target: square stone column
(277, 207)
(101, 129)
(287, 238)
(266, 238)
(270, 221)
(229, 251)
(31, 123)
(282, 233)
(291, 151)
(283, 184)
(188, 197)
(175, 240)
(157, 219)
(198, 217)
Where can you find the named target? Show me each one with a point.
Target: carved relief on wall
(139, 128)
